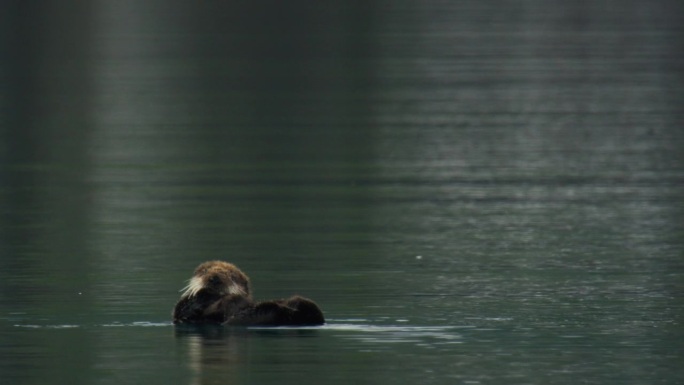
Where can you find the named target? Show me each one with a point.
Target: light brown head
(218, 277)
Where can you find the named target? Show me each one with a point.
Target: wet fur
(219, 293)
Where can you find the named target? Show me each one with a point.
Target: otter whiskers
(195, 284)
(235, 289)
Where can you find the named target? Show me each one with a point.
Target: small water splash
(33, 326)
(107, 325)
(427, 336)
(144, 324)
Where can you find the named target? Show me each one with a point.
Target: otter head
(217, 277)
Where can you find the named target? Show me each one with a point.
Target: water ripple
(391, 334)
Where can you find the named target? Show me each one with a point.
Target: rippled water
(341, 351)
(474, 193)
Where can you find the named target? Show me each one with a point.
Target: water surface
(473, 193)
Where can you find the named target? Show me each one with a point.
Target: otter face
(217, 277)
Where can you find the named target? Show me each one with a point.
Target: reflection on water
(473, 192)
(363, 351)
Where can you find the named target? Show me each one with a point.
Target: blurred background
(488, 181)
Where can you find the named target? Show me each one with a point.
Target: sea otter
(220, 293)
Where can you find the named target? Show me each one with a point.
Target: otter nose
(215, 280)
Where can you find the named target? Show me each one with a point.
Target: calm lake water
(474, 192)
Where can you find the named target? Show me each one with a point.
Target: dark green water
(475, 193)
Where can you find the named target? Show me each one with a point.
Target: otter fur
(220, 293)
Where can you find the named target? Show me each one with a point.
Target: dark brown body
(219, 293)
